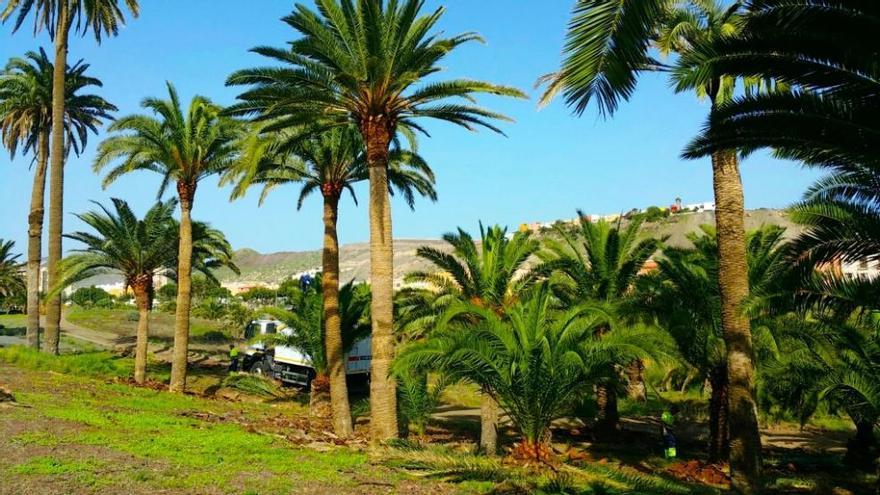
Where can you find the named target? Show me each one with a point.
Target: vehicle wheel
(259, 368)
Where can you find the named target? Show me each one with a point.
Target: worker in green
(667, 430)
(233, 358)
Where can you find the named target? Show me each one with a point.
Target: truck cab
(289, 364)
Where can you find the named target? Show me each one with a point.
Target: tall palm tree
(608, 45)
(11, 281)
(492, 275)
(306, 319)
(101, 18)
(184, 148)
(694, 323)
(330, 162)
(364, 62)
(599, 262)
(139, 250)
(26, 120)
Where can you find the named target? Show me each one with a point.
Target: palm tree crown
(183, 147)
(599, 261)
(11, 280)
(329, 162)
(102, 17)
(363, 61)
(26, 103)
(140, 249)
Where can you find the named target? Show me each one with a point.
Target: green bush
(252, 384)
(90, 297)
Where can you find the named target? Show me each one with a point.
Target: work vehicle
(291, 365)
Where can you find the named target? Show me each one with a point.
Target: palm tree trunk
(733, 282)
(489, 412)
(333, 331)
(143, 290)
(862, 449)
(35, 242)
(383, 389)
(608, 417)
(186, 193)
(56, 178)
(320, 403)
(636, 388)
(719, 433)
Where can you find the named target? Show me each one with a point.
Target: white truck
(291, 365)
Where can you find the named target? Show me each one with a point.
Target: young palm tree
(376, 83)
(532, 357)
(185, 148)
(140, 250)
(492, 275)
(608, 45)
(599, 262)
(11, 281)
(101, 18)
(330, 162)
(309, 334)
(26, 120)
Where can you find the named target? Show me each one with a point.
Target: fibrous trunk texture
(636, 388)
(377, 135)
(56, 179)
(35, 242)
(489, 412)
(733, 282)
(719, 433)
(342, 425)
(142, 285)
(186, 192)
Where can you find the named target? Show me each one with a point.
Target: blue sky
(549, 165)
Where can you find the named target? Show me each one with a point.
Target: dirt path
(775, 437)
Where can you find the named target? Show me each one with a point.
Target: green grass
(13, 324)
(95, 363)
(124, 322)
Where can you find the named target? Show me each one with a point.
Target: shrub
(252, 384)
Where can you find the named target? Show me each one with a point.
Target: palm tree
(139, 250)
(532, 357)
(608, 45)
(376, 83)
(599, 262)
(492, 275)
(823, 52)
(694, 323)
(101, 18)
(26, 120)
(11, 281)
(184, 148)
(309, 334)
(330, 163)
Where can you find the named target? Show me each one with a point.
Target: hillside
(355, 258)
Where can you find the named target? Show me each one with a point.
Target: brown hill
(355, 258)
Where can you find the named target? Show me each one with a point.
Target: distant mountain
(354, 262)
(355, 258)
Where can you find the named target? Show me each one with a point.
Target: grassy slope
(13, 324)
(124, 322)
(79, 432)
